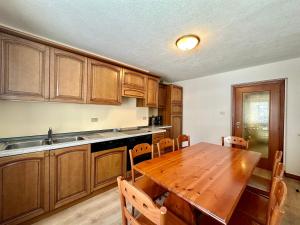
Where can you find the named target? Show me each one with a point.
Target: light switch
(94, 120)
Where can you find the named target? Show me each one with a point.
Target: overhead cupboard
(33, 71)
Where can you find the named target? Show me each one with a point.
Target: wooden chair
(261, 179)
(254, 209)
(268, 174)
(165, 144)
(236, 142)
(144, 183)
(261, 185)
(181, 139)
(150, 214)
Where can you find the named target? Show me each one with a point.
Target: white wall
(34, 118)
(207, 105)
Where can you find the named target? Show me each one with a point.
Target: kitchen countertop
(96, 137)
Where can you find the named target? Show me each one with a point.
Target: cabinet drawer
(133, 93)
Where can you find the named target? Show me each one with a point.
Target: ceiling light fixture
(187, 42)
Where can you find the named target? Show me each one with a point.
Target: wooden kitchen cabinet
(162, 96)
(176, 94)
(133, 84)
(24, 190)
(68, 76)
(104, 83)
(106, 166)
(69, 175)
(176, 121)
(24, 69)
(151, 96)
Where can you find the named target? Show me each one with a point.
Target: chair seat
(149, 187)
(267, 174)
(255, 206)
(237, 218)
(259, 185)
(171, 219)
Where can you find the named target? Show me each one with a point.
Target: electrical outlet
(94, 120)
(144, 118)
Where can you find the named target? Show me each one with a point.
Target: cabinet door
(162, 96)
(133, 84)
(68, 76)
(176, 94)
(104, 85)
(69, 175)
(152, 92)
(24, 69)
(176, 122)
(176, 109)
(24, 189)
(107, 166)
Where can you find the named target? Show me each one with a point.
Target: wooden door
(133, 84)
(176, 122)
(24, 69)
(104, 85)
(107, 166)
(68, 76)
(152, 92)
(258, 116)
(176, 94)
(69, 175)
(24, 189)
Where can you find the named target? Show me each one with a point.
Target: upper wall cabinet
(162, 96)
(104, 83)
(133, 84)
(152, 92)
(24, 68)
(68, 76)
(176, 94)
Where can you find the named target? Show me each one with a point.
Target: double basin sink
(59, 140)
(35, 143)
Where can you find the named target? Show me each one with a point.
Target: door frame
(282, 117)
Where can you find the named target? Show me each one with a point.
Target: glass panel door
(256, 116)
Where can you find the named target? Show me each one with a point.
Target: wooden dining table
(209, 177)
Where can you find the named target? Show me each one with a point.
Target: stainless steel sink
(27, 144)
(67, 139)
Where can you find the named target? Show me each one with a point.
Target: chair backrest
(183, 138)
(139, 150)
(141, 202)
(164, 144)
(276, 201)
(279, 171)
(236, 141)
(277, 159)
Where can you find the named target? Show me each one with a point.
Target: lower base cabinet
(24, 188)
(106, 166)
(69, 175)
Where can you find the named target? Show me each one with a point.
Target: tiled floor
(104, 209)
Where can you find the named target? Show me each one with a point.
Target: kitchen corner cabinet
(24, 69)
(106, 166)
(24, 190)
(68, 76)
(104, 83)
(69, 175)
(133, 84)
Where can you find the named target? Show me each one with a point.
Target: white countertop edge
(5, 153)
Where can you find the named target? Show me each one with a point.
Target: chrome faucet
(50, 135)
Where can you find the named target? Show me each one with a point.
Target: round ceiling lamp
(187, 42)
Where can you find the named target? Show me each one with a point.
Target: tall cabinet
(170, 105)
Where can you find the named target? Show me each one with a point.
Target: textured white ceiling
(234, 33)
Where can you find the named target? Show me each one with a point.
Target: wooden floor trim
(293, 176)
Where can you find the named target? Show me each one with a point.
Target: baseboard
(296, 177)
